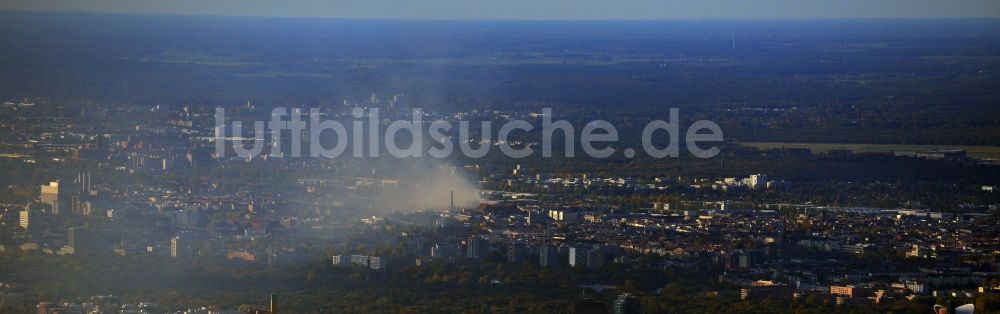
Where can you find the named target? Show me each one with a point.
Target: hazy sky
(532, 9)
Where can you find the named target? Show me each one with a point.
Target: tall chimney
(452, 201)
(274, 304)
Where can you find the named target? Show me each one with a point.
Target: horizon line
(496, 19)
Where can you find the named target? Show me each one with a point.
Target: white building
(376, 263)
(26, 218)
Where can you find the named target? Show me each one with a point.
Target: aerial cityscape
(160, 160)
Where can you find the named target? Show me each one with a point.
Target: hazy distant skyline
(532, 9)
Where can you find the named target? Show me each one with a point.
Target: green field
(977, 152)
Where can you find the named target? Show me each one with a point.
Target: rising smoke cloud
(420, 184)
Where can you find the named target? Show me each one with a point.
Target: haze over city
(499, 157)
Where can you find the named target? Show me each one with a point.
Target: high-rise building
(446, 250)
(27, 219)
(50, 195)
(750, 258)
(83, 179)
(373, 262)
(76, 206)
(360, 260)
(479, 247)
(548, 256)
(758, 181)
(180, 246)
(595, 258)
(341, 260)
(729, 260)
(272, 307)
(516, 252)
(73, 236)
(376, 263)
(577, 256)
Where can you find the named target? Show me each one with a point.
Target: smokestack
(274, 304)
(452, 201)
